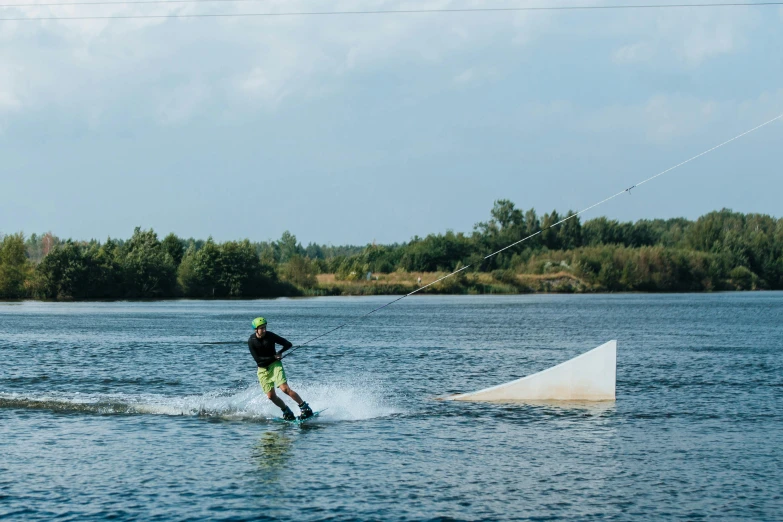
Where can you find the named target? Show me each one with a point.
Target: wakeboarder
(270, 369)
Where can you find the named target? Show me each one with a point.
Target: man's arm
(282, 342)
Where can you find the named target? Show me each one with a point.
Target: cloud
(263, 62)
(767, 105)
(668, 118)
(174, 68)
(658, 119)
(276, 68)
(661, 118)
(685, 37)
(634, 53)
(9, 99)
(705, 42)
(179, 104)
(465, 77)
(313, 56)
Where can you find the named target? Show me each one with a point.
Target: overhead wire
(571, 216)
(443, 10)
(353, 12)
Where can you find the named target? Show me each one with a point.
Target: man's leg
(266, 380)
(272, 396)
(304, 408)
(288, 391)
(287, 413)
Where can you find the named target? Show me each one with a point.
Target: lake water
(118, 411)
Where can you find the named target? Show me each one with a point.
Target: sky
(359, 128)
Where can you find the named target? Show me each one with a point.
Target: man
(270, 369)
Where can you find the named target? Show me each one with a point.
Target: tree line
(721, 250)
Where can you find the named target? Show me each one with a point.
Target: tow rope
(628, 190)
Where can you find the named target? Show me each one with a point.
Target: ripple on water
(121, 413)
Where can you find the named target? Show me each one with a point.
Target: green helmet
(258, 321)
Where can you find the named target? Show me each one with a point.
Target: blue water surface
(122, 411)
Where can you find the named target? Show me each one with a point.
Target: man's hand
(279, 355)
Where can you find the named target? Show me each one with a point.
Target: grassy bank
(471, 283)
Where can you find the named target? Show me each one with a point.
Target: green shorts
(272, 376)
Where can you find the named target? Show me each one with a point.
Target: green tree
(241, 273)
(602, 231)
(382, 259)
(642, 233)
(39, 246)
(104, 271)
(351, 269)
(506, 215)
(62, 274)
(175, 247)
(300, 271)
(288, 247)
(569, 233)
(435, 252)
(314, 251)
(198, 272)
(743, 278)
(609, 277)
(148, 269)
(232, 269)
(550, 236)
(14, 267)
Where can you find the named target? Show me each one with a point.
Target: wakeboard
(299, 420)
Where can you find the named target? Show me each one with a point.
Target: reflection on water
(591, 407)
(271, 453)
(595, 408)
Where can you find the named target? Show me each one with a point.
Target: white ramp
(587, 377)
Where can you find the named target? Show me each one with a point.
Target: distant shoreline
(399, 283)
(722, 250)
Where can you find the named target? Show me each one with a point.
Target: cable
(539, 232)
(532, 8)
(332, 13)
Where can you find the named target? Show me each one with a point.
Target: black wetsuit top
(263, 350)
